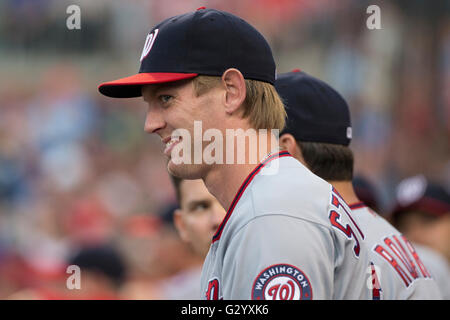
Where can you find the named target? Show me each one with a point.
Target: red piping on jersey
(357, 205)
(376, 289)
(348, 214)
(242, 189)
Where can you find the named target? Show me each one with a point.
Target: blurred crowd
(80, 181)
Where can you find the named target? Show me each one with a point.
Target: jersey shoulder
(402, 270)
(293, 191)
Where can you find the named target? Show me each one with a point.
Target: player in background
(196, 220)
(366, 192)
(318, 133)
(193, 69)
(425, 225)
(422, 214)
(199, 215)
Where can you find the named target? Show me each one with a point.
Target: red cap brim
(130, 87)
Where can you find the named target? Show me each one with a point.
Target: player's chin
(184, 171)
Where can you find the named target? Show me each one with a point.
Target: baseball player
(196, 220)
(199, 215)
(422, 213)
(366, 192)
(287, 234)
(318, 133)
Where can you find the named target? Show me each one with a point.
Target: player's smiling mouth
(170, 143)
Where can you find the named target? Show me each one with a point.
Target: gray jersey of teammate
(397, 271)
(438, 267)
(287, 235)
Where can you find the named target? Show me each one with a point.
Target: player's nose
(153, 121)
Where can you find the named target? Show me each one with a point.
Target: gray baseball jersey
(438, 267)
(397, 271)
(287, 235)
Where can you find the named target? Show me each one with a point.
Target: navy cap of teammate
(419, 194)
(315, 111)
(203, 42)
(365, 191)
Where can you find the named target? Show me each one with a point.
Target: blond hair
(262, 105)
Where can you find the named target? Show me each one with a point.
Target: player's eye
(200, 206)
(165, 98)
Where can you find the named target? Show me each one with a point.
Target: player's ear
(179, 224)
(235, 91)
(288, 143)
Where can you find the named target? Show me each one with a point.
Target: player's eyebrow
(191, 205)
(170, 85)
(156, 88)
(152, 89)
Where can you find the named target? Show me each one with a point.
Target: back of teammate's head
(422, 213)
(318, 119)
(366, 191)
(105, 260)
(417, 196)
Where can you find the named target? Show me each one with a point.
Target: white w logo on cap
(149, 43)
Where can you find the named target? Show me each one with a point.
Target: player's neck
(345, 189)
(223, 181)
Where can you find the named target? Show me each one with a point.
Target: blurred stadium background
(77, 169)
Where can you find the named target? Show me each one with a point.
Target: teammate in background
(103, 272)
(318, 133)
(199, 215)
(422, 214)
(196, 221)
(197, 67)
(366, 192)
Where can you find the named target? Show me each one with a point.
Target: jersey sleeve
(279, 257)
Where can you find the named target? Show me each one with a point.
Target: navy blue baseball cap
(203, 42)
(366, 191)
(420, 194)
(315, 111)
